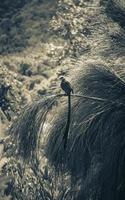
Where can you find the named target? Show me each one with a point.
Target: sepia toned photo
(62, 99)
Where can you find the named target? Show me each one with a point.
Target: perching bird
(66, 86)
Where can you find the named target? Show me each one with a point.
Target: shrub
(42, 92)
(3, 39)
(6, 24)
(24, 68)
(32, 85)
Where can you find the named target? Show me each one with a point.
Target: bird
(67, 88)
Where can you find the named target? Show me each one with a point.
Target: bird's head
(62, 78)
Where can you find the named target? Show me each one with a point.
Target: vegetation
(39, 41)
(94, 134)
(24, 69)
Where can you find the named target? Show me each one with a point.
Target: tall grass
(95, 154)
(26, 130)
(95, 150)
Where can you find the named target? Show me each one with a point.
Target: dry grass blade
(26, 129)
(96, 131)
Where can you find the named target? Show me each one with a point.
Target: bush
(24, 69)
(32, 85)
(42, 91)
(116, 10)
(6, 24)
(3, 39)
(18, 20)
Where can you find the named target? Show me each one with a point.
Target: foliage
(25, 69)
(116, 10)
(4, 180)
(95, 143)
(24, 184)
(96, 131)
(29, 125)
(23, 21)
(8, 7)
(80, 32)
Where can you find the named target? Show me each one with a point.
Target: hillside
(50, 37)
(41, 40)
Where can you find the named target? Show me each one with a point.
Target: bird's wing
(68, 84)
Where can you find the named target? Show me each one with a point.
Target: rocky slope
(41, 40)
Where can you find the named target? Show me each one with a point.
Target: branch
(85, 97)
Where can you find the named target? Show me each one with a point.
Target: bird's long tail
(65, 137)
